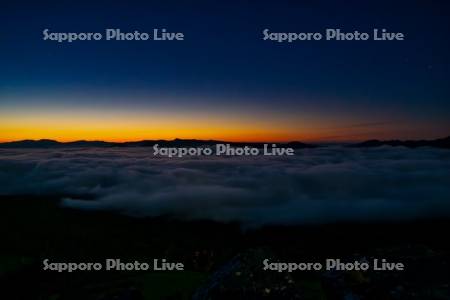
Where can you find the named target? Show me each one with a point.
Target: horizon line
(217, 140)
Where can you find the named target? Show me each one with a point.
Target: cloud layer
(317, 185)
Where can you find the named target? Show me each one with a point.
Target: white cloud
(317, 185)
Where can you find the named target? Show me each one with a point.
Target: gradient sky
(224, 81)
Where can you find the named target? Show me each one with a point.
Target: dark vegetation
(222, 260)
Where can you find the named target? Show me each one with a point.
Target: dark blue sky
(223, 60)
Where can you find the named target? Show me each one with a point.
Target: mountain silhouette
(438, 143)
(177, 143)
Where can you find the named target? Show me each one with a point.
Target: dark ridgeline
(177, 143)
(438, 143)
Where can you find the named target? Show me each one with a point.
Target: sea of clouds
(317, 185)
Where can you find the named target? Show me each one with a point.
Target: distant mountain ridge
(437, 143)
(46, 143)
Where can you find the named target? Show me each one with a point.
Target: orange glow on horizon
(113, 129)
(115, 125)
(227, 136)
(124, 126)
(140, 135)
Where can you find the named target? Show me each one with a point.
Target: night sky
(223, 81)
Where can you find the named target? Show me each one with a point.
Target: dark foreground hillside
(222, 260)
